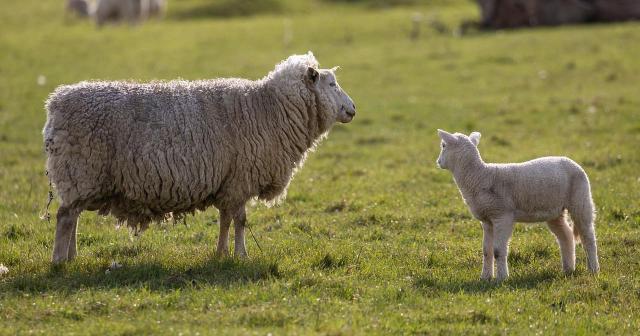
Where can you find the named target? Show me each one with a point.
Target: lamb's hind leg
(223, 238)
(239, 223)
(487, 251)
(564, 235)
(66, 222)
(583, 222)
(582, 213)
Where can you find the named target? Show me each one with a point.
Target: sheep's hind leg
(487, 251)
(66, 222)
(502, 228)
(239, 222)
(564, 235)
(223, 238)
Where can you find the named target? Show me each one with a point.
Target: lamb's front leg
(223, 239)
(239, 223)
(502, 229)
(487, 251)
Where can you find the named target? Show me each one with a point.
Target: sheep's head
(457, 147)
(334, 102)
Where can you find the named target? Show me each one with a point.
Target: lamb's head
(455, 148)
(334, 103)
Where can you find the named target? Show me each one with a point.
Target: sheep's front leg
(487, 251)
(223, 239)
(502, 230)
(239, 222)
(66, 220)
(73, 245)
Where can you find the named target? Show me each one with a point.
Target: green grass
(372, 237)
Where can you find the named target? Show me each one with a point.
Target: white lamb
(539, 190)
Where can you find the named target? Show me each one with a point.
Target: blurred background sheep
(79, 8)
(130, 11)
(116, 11)
(519, 13)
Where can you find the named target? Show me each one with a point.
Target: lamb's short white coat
(540, 190)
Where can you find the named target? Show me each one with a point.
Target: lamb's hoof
(486, 278)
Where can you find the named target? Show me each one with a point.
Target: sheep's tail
(44, 214)
(582, 211)
(47, 134)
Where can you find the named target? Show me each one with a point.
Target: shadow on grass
(154, 276)
(229, 9)
(526, 281)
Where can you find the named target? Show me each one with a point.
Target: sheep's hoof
(501, 277)
(57, 267)
(241, 255)
(222, 254)
(59, 259)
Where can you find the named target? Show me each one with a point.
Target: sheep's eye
(443, 145)
(332, 84)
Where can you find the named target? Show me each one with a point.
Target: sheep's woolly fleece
(146, 151)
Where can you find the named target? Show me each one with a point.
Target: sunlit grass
(372, 237)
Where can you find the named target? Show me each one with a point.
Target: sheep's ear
(312, 75)
(475, 138)
(446, 136)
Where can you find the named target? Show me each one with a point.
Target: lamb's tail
(582, 211)
(581, 207)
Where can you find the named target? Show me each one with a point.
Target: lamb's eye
(443, 145)
(332, 84)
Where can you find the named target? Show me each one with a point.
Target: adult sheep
(142, 151)
(131, 11)
(79, 8)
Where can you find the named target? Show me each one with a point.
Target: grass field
(373, 238)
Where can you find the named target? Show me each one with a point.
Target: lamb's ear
(475, 138)
(312, 75)
(446, 136)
